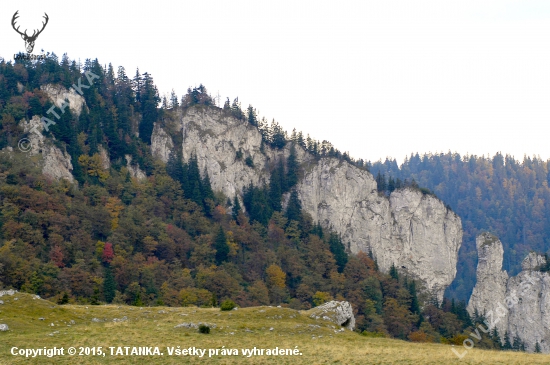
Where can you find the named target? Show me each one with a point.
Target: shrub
(249, 162)
(204, 329)
(228, 305)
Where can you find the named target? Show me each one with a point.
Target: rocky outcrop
(413, 231)
(7, 292)
(58, 94)
(134, 170)
(340, 313)
(519, 305)
(490, 291)
(104, 156)
(56, 164)
(161, 143)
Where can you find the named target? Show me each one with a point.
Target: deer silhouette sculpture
(29, 40)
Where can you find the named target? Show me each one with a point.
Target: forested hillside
(169, 239)
(500, 194)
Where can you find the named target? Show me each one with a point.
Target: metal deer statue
(29, 40)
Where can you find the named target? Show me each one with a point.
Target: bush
(228, 305)
(204, 329)
(249, 162)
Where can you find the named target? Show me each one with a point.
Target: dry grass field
(260, 327)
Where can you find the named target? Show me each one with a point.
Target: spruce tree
(495, 337)
(338, 251)
(415, 305)
(294, 208)
(507, 344)
(537, 348)
(393, 272)
(222, 249)
(236, 208)
(293, 167)
(109, 284)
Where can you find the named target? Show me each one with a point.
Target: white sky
(376, 78)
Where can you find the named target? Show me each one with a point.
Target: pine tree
(222, 249)
(149, 113)
(507, 344)
(393, 272)
(537, 348)
(236, 208)
(495, 337)
(338, 251)
(415, 305)
(294, 208)
(252, 117)
(109, 284)
(293, 168)
(207, 192)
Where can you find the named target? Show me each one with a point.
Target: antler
(34, 34)
(15, 16)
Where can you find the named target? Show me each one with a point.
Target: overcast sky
(376, 78)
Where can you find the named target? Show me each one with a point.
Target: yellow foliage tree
(114, 207)
(92, 166)
(276, 277)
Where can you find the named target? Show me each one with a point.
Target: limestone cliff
(58, 95)
(161, 143)
(56, 163)
(519, 304)
(415, 232)
(490, 291)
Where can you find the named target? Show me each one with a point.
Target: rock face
(104, 155)
(415, 232)
(520, 304)
(134, 170)
(56, 163)
(340, 313)
(58, 94)
(490, 291)
(161, 143)
(215, 140)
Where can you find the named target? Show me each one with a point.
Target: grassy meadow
(30, 322)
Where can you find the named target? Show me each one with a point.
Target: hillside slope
(260, 327)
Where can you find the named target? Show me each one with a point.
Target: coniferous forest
(171, 240)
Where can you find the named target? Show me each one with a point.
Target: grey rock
(533, 261)
(161, 143)
(7, 292)
(4, 327)
(56, 163)
(134, 170)
(1, 302)
(416, 232)
(518, 304)
(340, 313)
(96, 320)
(58, 94)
